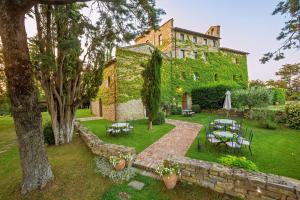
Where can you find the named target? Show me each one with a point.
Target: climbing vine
(177, 75)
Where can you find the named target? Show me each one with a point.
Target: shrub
(240, 162)
(4, 109)
(48, 134)
(293, 116)
(252, 97)
(176, 110)
(268, 124)
(159, 119)
(196, 108)
(279, 96)
(210, 97)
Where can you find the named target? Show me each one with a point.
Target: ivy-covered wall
(178, 75)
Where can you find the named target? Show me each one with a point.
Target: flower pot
(170, 181)
(121, 165)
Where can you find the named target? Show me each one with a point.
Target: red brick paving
(176, 142)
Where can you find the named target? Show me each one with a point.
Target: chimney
(214, 31)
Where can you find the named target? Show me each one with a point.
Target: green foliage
(293, 116)
(159, 119)
(268, 124)
(196, 108)
(264, 115)
(152, 83)
(48, 134)
(252, 97)
(279, 96)
(211, 97)
(240, 162)
(175, 110)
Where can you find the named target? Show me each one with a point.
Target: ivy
(177, 75)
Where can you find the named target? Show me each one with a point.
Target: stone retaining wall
(100, 148)
(237, 182)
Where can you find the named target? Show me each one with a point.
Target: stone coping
(237, 182)
(100, 148)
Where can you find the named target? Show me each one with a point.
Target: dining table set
(119, 128)
(230, 133)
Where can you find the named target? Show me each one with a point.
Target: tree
(290, 33)
(276, 84)
(151, 87)
(256, 83)
(289, 74)
(36, 171)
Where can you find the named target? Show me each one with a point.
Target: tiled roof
(233, 50)
(195, 33)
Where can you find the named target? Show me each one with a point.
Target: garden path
(176, 142)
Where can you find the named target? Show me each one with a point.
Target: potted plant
(119, 162)
(169, 172)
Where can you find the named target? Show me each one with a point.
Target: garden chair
(127, 129)
(108, 130)
(115, 131)
(211, 138)
(233, 144)
(248, 143)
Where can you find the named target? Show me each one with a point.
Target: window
(182, 76)
(181, 36)
(195, 54)
(215, 43)
(204, 56)
(182, 53)
(196, 76)
(234, 77)
(235, 60)
(216, 77)
(194, 39)
(108, 81)
(205, 42)
(160, 40)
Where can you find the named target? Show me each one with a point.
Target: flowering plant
(168, 169)
(115, 160)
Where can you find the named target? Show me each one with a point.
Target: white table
(225, 121)
(120, 125)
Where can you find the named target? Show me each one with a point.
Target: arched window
(216, 77)
(196, 76)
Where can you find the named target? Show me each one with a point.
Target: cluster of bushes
(279, 96)
(159, 119)
(293, 116)
(240, 162)
(210, 97)
(48, 134)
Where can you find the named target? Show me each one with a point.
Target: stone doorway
(100, 108)
(186, 101)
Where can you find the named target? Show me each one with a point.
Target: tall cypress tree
(151, 86)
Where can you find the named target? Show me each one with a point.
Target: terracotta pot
(121, 165)
(170, 181)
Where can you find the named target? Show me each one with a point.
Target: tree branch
(60, 2)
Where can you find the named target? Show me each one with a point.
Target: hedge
(210, 97)
(293, 116)
(279, 96)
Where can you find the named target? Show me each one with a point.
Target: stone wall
(152, 37)
(109, 112)
(95, 108)
(237, 182)
(100, 148)
(131, 110)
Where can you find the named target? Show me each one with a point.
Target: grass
(75, 177)
(274, 151)
(154, 190)
(141, 138)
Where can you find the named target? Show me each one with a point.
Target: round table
(225, 121)
(224, 134)
(120, 125)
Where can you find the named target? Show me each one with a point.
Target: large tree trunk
(36, 171)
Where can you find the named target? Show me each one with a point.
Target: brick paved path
(177, 142)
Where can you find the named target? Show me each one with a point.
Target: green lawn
(141, 137)
(75, 177)
(274, 151)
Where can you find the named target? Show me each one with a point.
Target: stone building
(191, 60)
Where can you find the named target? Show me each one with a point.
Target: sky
(245, 25)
